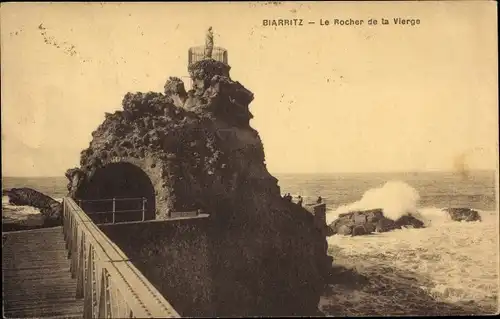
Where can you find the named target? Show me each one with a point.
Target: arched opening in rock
(127, 184)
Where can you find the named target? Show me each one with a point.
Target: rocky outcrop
(318, 210)
(75, 177)
(175, 89)
(50, 209)
(463, 214)
(199, 152)
(366, 222)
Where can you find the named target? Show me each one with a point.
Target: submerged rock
(409, 221)
(463, 214)
(358, 230)
(50, 209)
(368, 221)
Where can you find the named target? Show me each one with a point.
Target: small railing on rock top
(101, 217)
(197, 53)
(110, 285)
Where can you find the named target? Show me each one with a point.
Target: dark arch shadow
(120, 181)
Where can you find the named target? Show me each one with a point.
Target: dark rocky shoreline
(50, 210)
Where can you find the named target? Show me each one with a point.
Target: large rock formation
(463, 214)
(50, 209)
(198, 151)
(368, 221)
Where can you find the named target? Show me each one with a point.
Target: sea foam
(396, 199)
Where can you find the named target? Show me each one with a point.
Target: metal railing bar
(108, 199)
(115, 212)
(142, 201)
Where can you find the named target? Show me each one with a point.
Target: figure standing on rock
(288, 197)
(209, 43)
(299, 200)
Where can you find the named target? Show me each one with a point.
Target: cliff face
(199, 152)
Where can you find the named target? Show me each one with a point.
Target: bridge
(75, 271)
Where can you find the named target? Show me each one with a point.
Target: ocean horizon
(320, 173)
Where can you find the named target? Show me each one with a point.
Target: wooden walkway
(37, 280)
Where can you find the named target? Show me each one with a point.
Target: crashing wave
(398, 200)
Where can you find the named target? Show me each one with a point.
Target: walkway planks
(36, 277)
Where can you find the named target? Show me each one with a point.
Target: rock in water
(408, 221)
(49, 207)
(384, 225)
(360, 230)
(463, 214)
(196, 150)
(368, 221)
(344, 230)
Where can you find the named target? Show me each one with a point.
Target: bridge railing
(108, 208)
(111, 286)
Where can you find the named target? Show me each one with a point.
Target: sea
(448, 267)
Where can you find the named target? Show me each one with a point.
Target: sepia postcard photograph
(249, 159)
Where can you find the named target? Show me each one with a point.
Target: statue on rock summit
(209, 43)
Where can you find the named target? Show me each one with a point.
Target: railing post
(74, 252)
(114, 208)
(143, 208)
(65, 223)
(88, 292)
(95, 288)
(101, 306)
(105, 296)
(63, 213)
(70, 234)
(81, 268)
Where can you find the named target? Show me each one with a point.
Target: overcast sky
(327, 98)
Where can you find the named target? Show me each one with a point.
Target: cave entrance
(128, 185)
